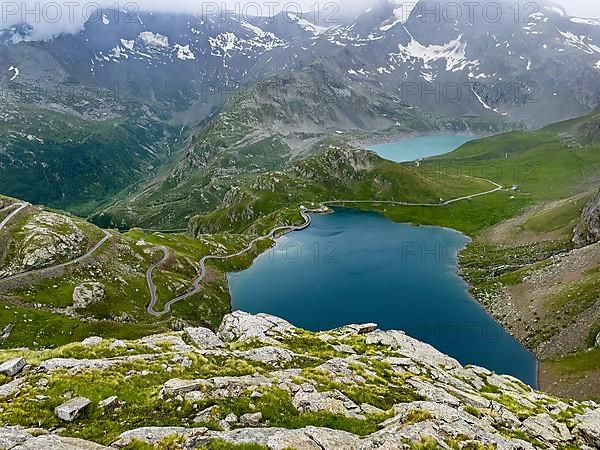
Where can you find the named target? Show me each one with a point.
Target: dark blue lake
(358, 267)
(413, 148)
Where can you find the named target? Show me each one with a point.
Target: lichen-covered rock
(53, 442)
(241, 326)
(310, 438)
(11, 388)
(358, 328)
(206, 415)
(12, 367)
(251, 419)
(160, 341)
(92, 340)
(588, 427)
(333, 402)
(203, 338)
(217, 387)
(10, 437)
(545, 428)
(74, 364)
(110, 403)
(87, 294)
(71, 409)
(151, 435)
(425, 353)
(275, 356)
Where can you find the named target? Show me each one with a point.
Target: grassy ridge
(340, 173)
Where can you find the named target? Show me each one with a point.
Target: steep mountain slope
(75, 163)
(530, 62)
(134, 86)
(68, 144)
(261, 383)
(588, 229)
(265, 128)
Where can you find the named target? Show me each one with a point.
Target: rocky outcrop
(203, 338)
(259, 375)
(87, 294)
(344, 164)
(16, 438)
(587, 232)
(241, 326)
(48, 239)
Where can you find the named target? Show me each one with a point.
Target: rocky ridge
(588, 230)
(259, 380)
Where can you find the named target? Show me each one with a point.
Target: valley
(269, 205)
(229, 232)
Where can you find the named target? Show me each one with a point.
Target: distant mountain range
(150, 94)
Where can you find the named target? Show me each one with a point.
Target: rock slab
(12, 367)
(70, 410)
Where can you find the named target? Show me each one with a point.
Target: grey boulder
(70, 410)
(203, 338)
(12, 367)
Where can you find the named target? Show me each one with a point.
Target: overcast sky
(583, 8)
(51, 17)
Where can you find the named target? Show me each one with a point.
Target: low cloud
(49, 18)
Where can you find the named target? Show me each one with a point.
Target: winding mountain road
(21, 207)
(497, 188)
(196, 286)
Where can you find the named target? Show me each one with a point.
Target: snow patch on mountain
(453, 53)
(154, 39)
(580, 42)
(307, 26)
(256, 30)
(128, 44)
(595, 22)
(555, 9)
(225, 43)
(401, 15)
(16, 72)
(184, 53)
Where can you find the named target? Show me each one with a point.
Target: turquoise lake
(358, 267)
(414, 148)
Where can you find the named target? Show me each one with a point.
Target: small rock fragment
(93, 340)
(110, 403)
(251, 419)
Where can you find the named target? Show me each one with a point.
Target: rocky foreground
(261, 383)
